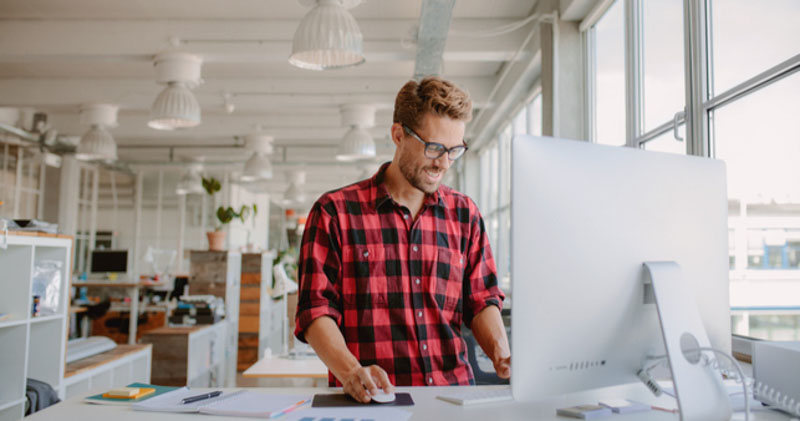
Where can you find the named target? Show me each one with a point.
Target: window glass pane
(750, 36)
(483, 202)
(505, 170)
(494, 169)
(535, 116)
(667, 142)
(756, 136)
(520, 123)
(610, 76)
(663, 61)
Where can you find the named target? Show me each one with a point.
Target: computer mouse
(383, 397)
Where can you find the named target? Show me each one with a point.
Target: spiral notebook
(235, 404)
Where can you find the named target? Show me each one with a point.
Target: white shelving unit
(30, 347)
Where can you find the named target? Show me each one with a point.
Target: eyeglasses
(435, 150)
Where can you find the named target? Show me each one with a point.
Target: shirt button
(416, 281)
(415, 248)
(405, 216)
(424, 347)
(461, 261)
(366, 254)
(430, 380)
(419, 314)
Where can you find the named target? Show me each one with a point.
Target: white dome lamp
(258, 166)
(97, 144)
(191, 181)
(328, 36)
(176, 106)
(294, 194)
(357, 143)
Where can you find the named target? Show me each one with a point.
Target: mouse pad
(341, 399)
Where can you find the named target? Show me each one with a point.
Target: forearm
(489, 331)
(324, 336)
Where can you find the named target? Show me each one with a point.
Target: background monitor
(584, 217)
(104, 261)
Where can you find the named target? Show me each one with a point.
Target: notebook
(103, 400)
(236, 404)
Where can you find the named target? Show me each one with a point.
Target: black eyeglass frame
(444, 149)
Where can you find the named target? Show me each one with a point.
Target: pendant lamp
(328, 37)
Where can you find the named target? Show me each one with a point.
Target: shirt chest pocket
(448, 275)
(364, 280)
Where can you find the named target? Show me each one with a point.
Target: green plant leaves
(212, 185)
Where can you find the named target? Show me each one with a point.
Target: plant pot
(216, 240)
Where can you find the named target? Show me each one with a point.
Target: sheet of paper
(349, 414)
(171, 401)
(251, 404)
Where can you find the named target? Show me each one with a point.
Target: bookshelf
(31, 346)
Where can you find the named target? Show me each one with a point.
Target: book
(586, 412)
(236, 404)
(129, 393)
(102, 399)
(625, 406)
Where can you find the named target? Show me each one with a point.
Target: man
(390, 267)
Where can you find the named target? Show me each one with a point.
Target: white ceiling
(55, 55)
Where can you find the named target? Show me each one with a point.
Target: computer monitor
(109, 261)
(584, 218)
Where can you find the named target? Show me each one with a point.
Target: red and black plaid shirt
(398, 288)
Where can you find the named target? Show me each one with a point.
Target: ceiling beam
(434, 24)
(243, 41)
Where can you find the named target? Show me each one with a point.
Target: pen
(209, 395)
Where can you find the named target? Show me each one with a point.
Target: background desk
(133, 292)
(427, 407)
(277, 367)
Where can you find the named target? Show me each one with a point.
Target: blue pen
(209, 395)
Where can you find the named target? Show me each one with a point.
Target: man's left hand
(502, 367)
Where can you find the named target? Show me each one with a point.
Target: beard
(416, 175)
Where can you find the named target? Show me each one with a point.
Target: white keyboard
(477, 396)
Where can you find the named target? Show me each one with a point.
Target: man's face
(422, 172)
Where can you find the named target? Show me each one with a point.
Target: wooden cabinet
(31, 346)
(190, 356)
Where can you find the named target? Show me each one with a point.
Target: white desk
(279, 367)
(427, 407)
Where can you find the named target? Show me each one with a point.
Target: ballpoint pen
(209, 395)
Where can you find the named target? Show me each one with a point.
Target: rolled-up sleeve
(480, 282)
(319, 271)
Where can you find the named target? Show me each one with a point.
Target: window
(749, 37)
(741, 109)
(663, 88)
(608, 38)
(495, 182)
(751, 112)
(21, 182)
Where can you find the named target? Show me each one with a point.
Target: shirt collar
(380, 195)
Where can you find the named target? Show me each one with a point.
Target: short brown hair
(431, 95)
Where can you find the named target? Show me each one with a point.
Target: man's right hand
(363, 382)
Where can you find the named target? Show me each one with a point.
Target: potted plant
(216, 238)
